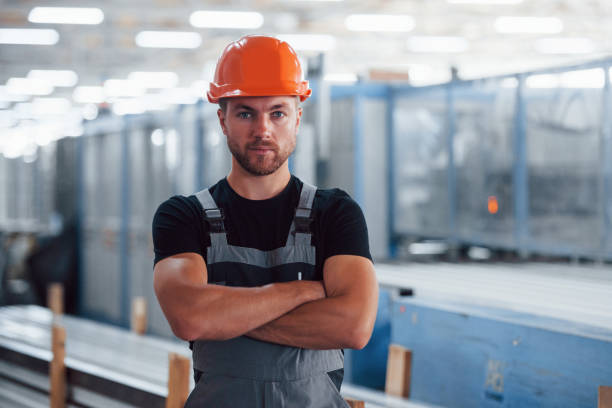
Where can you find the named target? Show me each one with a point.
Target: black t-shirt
(338, 228)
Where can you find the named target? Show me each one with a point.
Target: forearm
(330, 323)
(211, 312)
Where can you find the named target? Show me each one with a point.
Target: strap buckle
(215, 219)
(302, 222)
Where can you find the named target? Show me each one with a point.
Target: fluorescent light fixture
(379, 22)
(118, 88)
(346, 77)
(50, 106)
(168, 39)
(28, 86)
(66, 15)
(132, 106)
(7, 96)
(226, 19)
(88, 94)
(565, 45)
(310, 42)
(157, 137)
(29, 36)
(509, 82)
(154, 79)
(528, 25)
(89, 111)
(180, 96)
(58, 78)
(427, 44)
(542, 81)
(491, 2)
(422, 74)
(585, 78)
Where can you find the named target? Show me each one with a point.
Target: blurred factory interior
(476, 135)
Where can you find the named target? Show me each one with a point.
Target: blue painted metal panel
(391, 180)
(451, 170)
(125, 224)
(606, 168)
(199, 143)
(520, 183)
(80, 222)
(358, 165)
(466, 356)
(364, 89)
(368, 366)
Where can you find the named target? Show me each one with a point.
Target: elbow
(358, 339)
(183, 330)
(359, 334)
(200, 329)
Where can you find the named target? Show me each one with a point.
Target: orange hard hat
(257, 65)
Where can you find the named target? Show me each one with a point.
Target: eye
(278, 114)
(244, 115)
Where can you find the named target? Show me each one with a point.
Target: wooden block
(353, 403)
(139, 315)
(55, 298)
(57, 368)
(605, 397)
(397, 382)
(179, 370)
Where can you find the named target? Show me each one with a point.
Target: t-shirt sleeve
(346, 232)
(176, 228)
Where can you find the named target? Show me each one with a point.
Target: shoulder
(334, 200)
(178, 208)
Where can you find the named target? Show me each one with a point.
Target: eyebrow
(274, 107)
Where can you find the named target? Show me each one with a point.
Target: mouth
(261, 149)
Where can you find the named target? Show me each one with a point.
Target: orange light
(493, 205)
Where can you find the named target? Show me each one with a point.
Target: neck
(255, 187)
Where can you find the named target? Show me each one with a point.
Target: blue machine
(468, 356)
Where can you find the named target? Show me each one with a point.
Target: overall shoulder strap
(214, 217)
(303, 219)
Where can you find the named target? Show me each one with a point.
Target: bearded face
(261, 131)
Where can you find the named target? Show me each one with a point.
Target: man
(268, 277)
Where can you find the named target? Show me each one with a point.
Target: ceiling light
(122, 88)
(28, 36)
(340, 77)
(28, 86)
(50, 106)
(88, 94)
(585, 78)
(6, 96)
(57, 78)
(433, 44)
(310, 42)
(168, 39)
(180, 96)
(379, 22)
(492, 2)
(528, 25)
(66, 15)
(154, 79)
(128, 107)
(226, 19)
(565, 45)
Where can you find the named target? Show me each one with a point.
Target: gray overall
(243, 372)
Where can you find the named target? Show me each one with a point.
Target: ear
(298, 118)
(221, 116)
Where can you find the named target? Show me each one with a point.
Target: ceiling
(108, 50)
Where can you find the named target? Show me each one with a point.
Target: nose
(263, 126)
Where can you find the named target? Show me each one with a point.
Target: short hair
(223, 103)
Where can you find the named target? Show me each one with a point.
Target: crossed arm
(297, 313)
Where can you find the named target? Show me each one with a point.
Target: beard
(260, 165)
